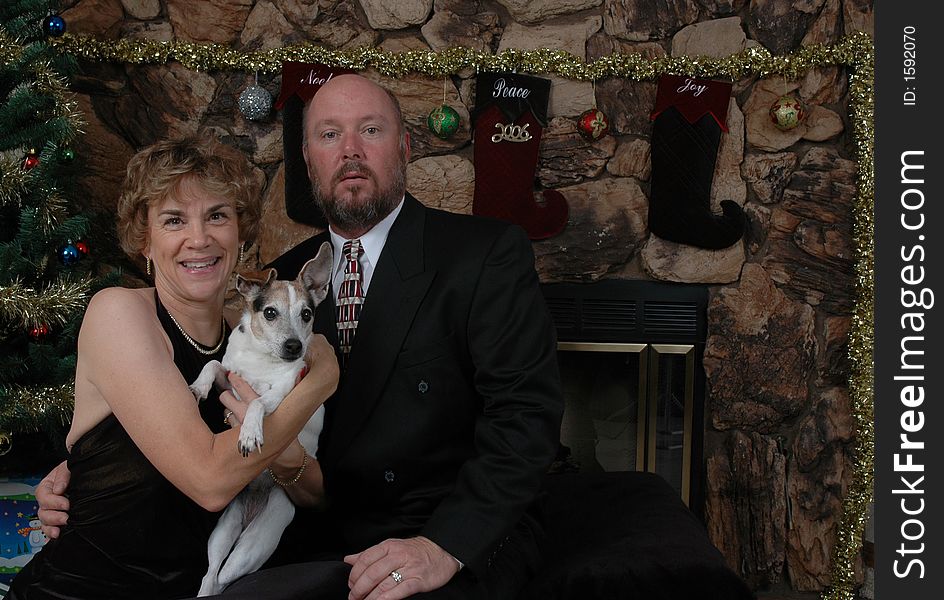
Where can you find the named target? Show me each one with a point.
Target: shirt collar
(372, 242)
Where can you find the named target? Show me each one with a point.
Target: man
(448, 410)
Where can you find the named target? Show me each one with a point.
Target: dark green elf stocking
(689, 118)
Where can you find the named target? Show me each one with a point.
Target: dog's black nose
(292, 348)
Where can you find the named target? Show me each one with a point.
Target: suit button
(423, 387)
(389, 476)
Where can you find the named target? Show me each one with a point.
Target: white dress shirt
(372, 242)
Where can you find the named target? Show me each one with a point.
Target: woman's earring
(240, 260)
(147, 265)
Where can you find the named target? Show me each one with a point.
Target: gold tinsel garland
(861, 336)
(10, 49)
(13, 179)
(35, 405)
(854, 51)
(24, 306)
(217, 57)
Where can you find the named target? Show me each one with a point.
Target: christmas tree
(46, 273)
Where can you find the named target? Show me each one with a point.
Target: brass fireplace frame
(648, 411)
(655, 320)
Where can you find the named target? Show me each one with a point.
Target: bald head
(349, 86)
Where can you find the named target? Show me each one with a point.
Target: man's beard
(354, 211)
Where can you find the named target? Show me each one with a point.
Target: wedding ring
(226, 417)
(396, 576)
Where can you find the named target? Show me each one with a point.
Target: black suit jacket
(448, 413)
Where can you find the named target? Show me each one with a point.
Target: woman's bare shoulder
(118, 307)
(122, 299)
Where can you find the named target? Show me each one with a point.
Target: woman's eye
(173, 221)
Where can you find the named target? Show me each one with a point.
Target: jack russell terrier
(267, 349)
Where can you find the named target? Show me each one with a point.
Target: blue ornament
(54, 25)
(69, 255)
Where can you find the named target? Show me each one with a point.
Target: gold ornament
(787, 112)
(6, 443)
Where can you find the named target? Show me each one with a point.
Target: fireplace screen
(630, 354)
(630, 407)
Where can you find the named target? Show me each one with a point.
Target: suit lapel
(398, 286)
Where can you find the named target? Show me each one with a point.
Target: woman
(150, 468)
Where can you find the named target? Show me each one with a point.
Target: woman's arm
(125, 360)
(308, 488)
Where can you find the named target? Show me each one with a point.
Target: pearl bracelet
(294, 479)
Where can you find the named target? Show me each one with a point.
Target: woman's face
(193, 241)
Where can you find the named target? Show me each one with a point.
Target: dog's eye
(270, 313)
(306, 314)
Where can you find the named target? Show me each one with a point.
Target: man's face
(356, 160)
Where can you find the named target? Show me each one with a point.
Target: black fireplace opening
(630, 355)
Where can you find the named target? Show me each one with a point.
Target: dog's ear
(251, 283)
(316, 274)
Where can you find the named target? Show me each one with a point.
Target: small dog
(267, 349)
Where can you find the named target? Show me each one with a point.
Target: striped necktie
(350, 296)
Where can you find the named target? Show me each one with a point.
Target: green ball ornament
(443, 121)
(67, 154)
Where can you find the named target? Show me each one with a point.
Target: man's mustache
(352, 167)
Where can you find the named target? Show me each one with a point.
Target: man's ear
(305, 156)
(406, 146)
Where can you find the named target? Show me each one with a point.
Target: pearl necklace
(198, 346)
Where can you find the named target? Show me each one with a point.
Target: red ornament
(83, 248)
(593, 124)
(31, 160)
(39, 332)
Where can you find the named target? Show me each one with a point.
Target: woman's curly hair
(157, 172)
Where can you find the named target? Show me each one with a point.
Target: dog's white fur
(267, 349)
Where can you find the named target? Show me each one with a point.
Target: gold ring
(226, 417)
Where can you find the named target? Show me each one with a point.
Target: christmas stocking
(689, 118)
(300, 81)
(510, 112)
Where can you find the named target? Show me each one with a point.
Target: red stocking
(510, 109)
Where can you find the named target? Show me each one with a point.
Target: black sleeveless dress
(131, 534)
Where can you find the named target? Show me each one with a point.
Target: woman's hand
(236, 404)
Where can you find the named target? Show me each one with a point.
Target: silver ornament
(255, 103)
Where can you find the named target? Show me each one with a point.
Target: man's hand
(422, 565)
(53, 505)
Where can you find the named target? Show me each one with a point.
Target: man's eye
(270, 314)
(372, 130)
